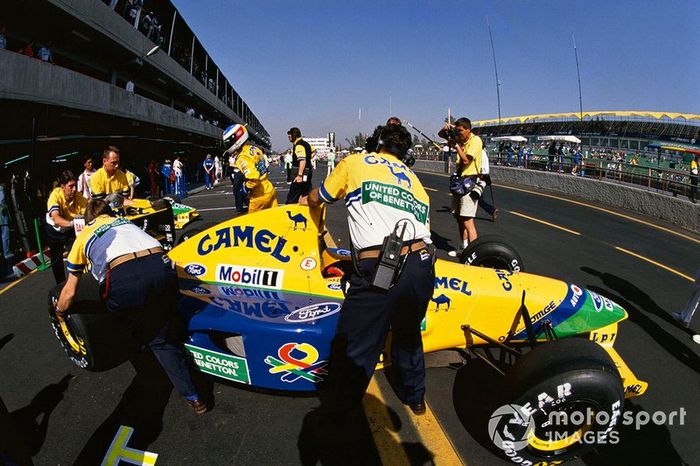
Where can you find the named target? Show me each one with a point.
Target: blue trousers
(365, 319)
(145, 292)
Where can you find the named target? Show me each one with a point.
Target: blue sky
(314, 64)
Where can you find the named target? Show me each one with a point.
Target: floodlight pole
(580, 100)
(495, 68)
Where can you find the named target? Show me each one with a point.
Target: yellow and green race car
(262, 293)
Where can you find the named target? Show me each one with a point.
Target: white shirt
(84, 184)
(484, 163)
(177, 166)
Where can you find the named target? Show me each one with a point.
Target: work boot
(198, 406)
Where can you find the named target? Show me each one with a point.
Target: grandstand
(623, 130)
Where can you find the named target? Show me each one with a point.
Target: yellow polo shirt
(102, 184)
(472, 147)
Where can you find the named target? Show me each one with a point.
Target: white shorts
(464, 206)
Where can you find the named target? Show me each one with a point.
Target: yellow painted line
(544, 223)
(434, 438)
(430, 189)
(384, 431)
(388, 440)
(583, 204)
(16, 282)
(665, 267)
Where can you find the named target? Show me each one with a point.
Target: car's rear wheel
(558, 401)
(92, 338)
(492, 251)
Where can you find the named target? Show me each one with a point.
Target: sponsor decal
(297, 361)
(200, 290)
(396, 197)
(298, 219)
(440, 300)
(503, 276)
(334, 286)
(343, 252)
(600, 302)
(236, 236)
(308, 263)
(455, 284)
(576, 294)
(226, 366)
(195, 269)
(250, 276)
(424, 324)
(315, 312)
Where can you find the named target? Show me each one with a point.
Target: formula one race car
(262, 293)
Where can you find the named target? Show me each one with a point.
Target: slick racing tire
(173, 198)
(91, 336)
(193, 230)
(492, 251)
(558, 401)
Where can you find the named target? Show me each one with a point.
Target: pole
(495, 69)
(438, 146)
(580, 99)
(43, 265)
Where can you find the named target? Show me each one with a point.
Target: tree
(358, 140)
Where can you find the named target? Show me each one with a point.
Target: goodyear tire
(91, 337)
(492, 251)
(558, 401)
(173, 198)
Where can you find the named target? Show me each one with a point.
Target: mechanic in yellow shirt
(64, 205)
(468, 162)
(137, 282)
(251, 162)
(109, 178)
(383, 196)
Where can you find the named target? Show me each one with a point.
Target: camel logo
(297, 361)
(297, 219)
(441, 299)
(401, 177)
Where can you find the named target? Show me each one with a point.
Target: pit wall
(677, 211)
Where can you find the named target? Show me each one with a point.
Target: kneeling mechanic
(137, 282)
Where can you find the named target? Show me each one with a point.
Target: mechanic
(64, 205)
(301, 167)
(109, 179)
(381, 192)
(137, 281)
(251, 163)
(468, 163)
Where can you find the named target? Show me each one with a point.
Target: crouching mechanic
(381, 193)
(251, 162)
(137, 282)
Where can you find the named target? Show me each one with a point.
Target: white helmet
(235, 136)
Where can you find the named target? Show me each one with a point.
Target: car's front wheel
(558, 401)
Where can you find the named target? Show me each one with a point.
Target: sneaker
(198, 406)
(681, 320)
(494, 215)
(455, 252)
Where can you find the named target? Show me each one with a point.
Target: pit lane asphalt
(51, 412)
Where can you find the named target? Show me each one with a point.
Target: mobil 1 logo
(250, 276)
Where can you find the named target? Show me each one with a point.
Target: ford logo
(200, 290)
(315, 312)
(334, 286)
(195, 269)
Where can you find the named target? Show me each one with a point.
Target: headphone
(406, 155)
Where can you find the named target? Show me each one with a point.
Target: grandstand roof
(659, 117)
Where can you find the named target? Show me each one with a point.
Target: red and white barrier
(27, 265)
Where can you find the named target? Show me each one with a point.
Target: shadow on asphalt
(638, 305)
(24, 430)
(440, 241)
(649, 444)
(352, 442)
(6, 339)
(141, 408)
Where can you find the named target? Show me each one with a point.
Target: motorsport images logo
(510, 427)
